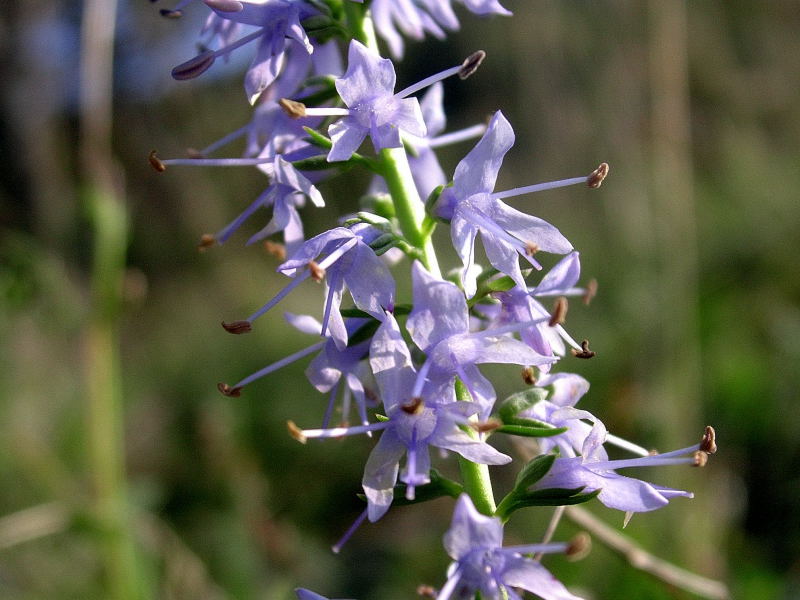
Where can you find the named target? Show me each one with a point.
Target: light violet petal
(391, 363)
(346, 136)
(440, 309)
(473, 450)
(530, 575)
(477, 172)
(367, 75)
(503, 256)
(470, 529)
(563, 276)
(463, 235)
(380, 474)
(370, 282)
(304, 323)
(433, 110)
(527, 228)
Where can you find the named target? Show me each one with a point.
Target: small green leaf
(533, 472)
(526, 431)
(519, 402)
(552, 498)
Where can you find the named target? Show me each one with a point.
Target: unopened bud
(296, 432)
(596, 177)
(206, 241)
(471, 64)
(317, 272)
(225, 5)
(194, 67)
(591, 291)
(579, 546)
(169, 13)
(293, 108)
(584, 352)
(238, 327)
(559, 312)
(529, 375)
(700, 459)
(230, 392)
(413, 406)
(275, 249)
(709, 441)
(155, 162)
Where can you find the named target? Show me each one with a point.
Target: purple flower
(475, 542)
(304, 594)
(439, 325)
(593, 471)
(472, 208)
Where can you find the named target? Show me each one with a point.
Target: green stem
(360, 23)
(477, 482)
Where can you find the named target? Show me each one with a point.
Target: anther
(194, 153)
(296, 432)
(489, 425)
(591, 291)
(531, 248)
(529, 375)
(155, 162)
(230, 392)
(471, 64)
(194, 67)
(427, 591)
(275, 249)
(168, 13)
(559, 312)
(317, 272)
(596, 177)
(700, 459)
(292, 108)
(237, 327)
(709, 441)
(584, 352)
(579, 546)
(206, 241)
(413, 406)
(225, 5)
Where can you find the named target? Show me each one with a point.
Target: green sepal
(553, 497)
(501, 284)
(433, 198)
(316, 163)
(533, 472)
(527, 431)
(519, 402)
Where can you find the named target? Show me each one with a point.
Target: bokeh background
(693, 239)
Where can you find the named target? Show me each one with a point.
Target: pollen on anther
(596, 177)
(155, 162)
(591, 291)
(700, 459)
(275, 249)
(559, 312)
(317, 272)
(579, 546)
(237, 327)
(471, 64)
(531, 248)
(413, 406)
(709, 441)
(529, 375)
(584, 352)
(296, 432)
(206, 241)
(230, 392)
(292, 108)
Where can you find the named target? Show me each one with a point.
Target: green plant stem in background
(476, 478)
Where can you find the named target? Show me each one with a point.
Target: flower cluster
(410, 369)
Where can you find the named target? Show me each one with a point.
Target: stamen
(213, 162)
(471, 64)
(529, 376)
(296, 432)
(238, 327)
(486, 426)
(317, 272)
(559, 312)
(279, 296)
(275, 249)
(326, 419)
(579, 546)
(156, 162)
(709, 442)
(700, 459)
(336, 548)
(278, 365)
(596, 177)
(531, 248)
(413, 406)
(457, 136)
(419, 382)
(230, 392)
(626, 445)
(206, 241)
(538, 187)
(334, 432)
(480, 220)
(294, 109)
(591, 291)
(554, 548)
(584, 352)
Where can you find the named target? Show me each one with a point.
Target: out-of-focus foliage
(696, 321)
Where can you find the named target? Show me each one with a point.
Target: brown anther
(700, 459)
(413, 406)
(427, 591)
(471, 64)
(596, 177)
(531, 248)
(230, 392)
(559, 314)
(293, 108)
(584, 352)
(194, 153)
(155, 162)
(206, 241)
(194, 67)
(529, 375)
(296, 432)
(225, 5)
(489, 425)
(168, 13)
(652, 452)
(275, 249)
(709, 441)
(317, 272)
(579, 546)
(238, 327)
(591, 291)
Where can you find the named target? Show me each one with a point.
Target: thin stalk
(476, 479)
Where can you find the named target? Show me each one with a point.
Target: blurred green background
(693, 239)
